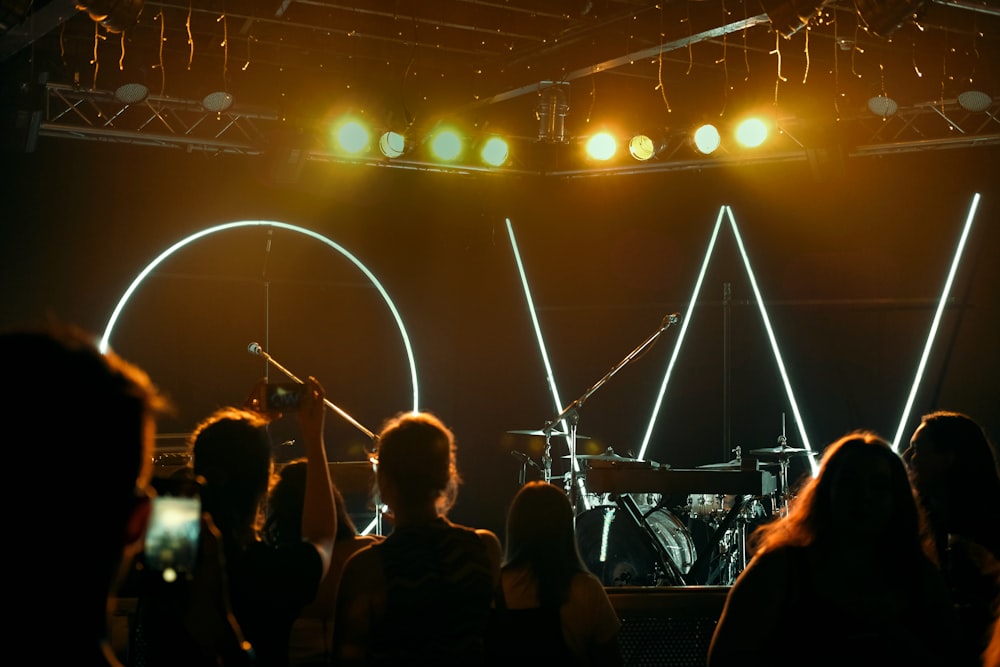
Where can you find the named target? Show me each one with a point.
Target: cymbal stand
(782, 509)
(571, 416)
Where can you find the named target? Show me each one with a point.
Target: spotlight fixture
(882, 106)
(883, 17)
(392, 144)
(751, 132)
(706, 139)
(789, 16)
(115, 15)
(352, 136)
(131, 93)
(646, 145)
(446, 144)
(974, 101)
(494, 152)
(602, 146)
(217, 102)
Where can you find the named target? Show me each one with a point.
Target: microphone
(674, 318)
(524, 458)
(254, 348)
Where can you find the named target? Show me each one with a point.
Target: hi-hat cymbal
(599, 457)
(746, 464)
(780, 450)
(557, 434)
(731, 465)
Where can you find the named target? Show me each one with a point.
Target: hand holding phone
(173, 533)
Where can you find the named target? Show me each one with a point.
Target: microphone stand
(256, 349)
(570, 414)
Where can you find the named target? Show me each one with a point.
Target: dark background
(850, 265)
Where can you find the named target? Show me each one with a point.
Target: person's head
(861, 493)
(540, 536)
(231, 451)
(92, 417)
(285, 501)
(953, 467)
(416, 463)
(949, 452)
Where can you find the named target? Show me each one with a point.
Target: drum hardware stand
(571, 416)
(782, 509)
(627, 504)
(700, 570)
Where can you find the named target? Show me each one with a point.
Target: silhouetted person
(953, 466)
(268, 585)
(550, 608)
(311, 640)
(844, 576)
(423, 594)
(90, 419)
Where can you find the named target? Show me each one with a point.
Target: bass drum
(620, 553)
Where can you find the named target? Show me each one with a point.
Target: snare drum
(710, 507)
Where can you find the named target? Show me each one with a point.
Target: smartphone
(283, 396)
(171, 546)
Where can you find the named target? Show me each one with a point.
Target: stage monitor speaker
(667, 626)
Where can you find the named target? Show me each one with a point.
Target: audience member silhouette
(844, 577)
(953, 467)
(423, 594)
(549, 606)
(311, 640)
(268, 585)
(94, 415)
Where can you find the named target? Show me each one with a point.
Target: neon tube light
(120, 307)
(549, 375)
(685, 319)
(955, 261)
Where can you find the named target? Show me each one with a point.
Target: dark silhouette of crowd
(882, 558)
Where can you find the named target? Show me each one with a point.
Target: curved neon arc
(109, 328)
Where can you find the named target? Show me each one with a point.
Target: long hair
(283, 518)
(810, 519)
(231, 450)
(541, 537)
(974, 478)
(416, 456)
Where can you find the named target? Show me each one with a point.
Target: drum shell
(622, 553)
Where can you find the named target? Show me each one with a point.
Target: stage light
(217, 102)
(751, 133)
(974, 101)
(602, 146)
(131, 93)
(446, 144)
(706, 139)
(114, 15)
(647, 145)
(882, 106)
(392, 144)
(494, 152)
(353, 136)
(883, 17)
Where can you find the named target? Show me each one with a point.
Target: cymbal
(599, 457)
(557, 434)
(747, 464)
(731, 465)
(780, 450)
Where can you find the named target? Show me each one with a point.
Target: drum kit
(654, 539)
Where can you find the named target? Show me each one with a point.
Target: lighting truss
(73, 112)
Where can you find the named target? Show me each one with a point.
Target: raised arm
(319, 512)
